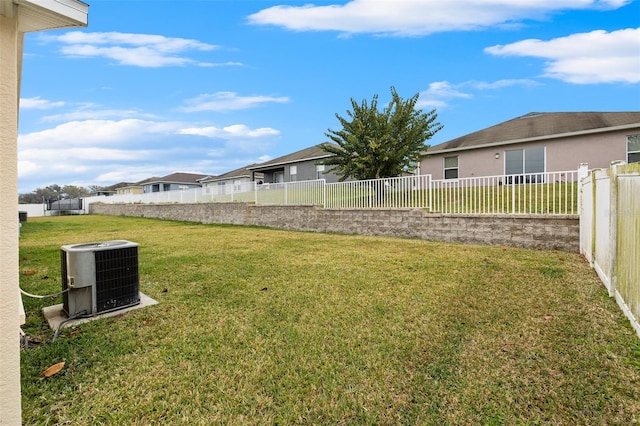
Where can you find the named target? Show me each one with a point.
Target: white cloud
(227, 101)
(90, 112)
(39, 103)
(417, 17)
(236, 138)
(90, 132)
(444, 89)
(586, 58)
(230, 132)
(499, 84)
(440, 93)
(220, 64)
(108, 151)
(63, 156)
(142, 50)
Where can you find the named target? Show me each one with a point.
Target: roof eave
(41, 15)
(535, 139)
(284, 163)
(219, 179)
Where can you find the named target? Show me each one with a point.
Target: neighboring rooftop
(242, 172)
(178, 177)
(313, 153)
(540, 125)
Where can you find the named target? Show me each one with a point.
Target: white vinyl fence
(538, 193)
(610, 233)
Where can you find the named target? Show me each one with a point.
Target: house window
(525, 161)
(278, 177)
(633, 149)
(451, 167)
(319, 171)
(293, 173)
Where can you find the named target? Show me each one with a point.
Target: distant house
(233, 179)
(134, 188)
(173, 182)
(108, 190)
(537, 143)
(298, 166)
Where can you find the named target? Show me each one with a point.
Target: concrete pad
(55, 315)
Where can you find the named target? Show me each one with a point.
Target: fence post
(583, 172)
(324, 193)
(430, 189)
(255, 193)
(513, 195)
(613, 225)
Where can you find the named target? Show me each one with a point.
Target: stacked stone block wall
(528, 231)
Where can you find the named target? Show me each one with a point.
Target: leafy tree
(72, 191)
(52, 193)
(374, 144)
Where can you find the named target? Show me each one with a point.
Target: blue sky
(155, 87)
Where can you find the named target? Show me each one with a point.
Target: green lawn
(260, 326)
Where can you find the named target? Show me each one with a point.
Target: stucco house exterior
(134, 188)
(297, 166)
(235, 179)
(173, 182)
(537, 143)
(18, 17)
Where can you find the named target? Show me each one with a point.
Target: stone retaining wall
(528, 231)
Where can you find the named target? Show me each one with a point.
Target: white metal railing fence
(530, 193)
(307, 192)
(534, 193)
(242, 191)
(398, 192)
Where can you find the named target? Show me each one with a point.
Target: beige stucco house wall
(563, 152)
(127, 190)
(16, 18)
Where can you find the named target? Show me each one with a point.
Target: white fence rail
(537, 193)
(398, 192)
(309, 192)
(534, 193)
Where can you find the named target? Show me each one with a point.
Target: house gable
(172, 182)
(297, 166)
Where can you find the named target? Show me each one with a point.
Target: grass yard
(260, 326)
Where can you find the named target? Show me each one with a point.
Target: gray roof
(189, 178)
(237, 173)
(313, 153)
(541, 125)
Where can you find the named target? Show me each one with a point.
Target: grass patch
(260, 326)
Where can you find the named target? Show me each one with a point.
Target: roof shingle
(540, 125)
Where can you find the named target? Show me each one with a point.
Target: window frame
(634, 152)
(535, 176)
(445, 169)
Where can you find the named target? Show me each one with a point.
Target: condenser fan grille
(116, 278)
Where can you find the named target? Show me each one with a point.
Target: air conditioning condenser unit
(99, 277)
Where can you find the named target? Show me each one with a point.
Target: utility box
(99, 277)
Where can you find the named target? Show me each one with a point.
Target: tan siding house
(538, 142)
